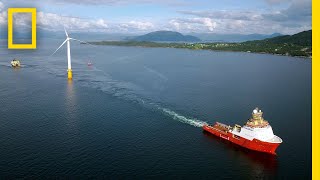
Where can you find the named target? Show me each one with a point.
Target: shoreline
(122, 43)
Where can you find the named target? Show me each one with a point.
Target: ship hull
(255, 145)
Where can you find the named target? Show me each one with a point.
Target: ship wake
(129, 91)
(183, 119)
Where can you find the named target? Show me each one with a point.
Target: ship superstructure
(15, 63)
(256, 134)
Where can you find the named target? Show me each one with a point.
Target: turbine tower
(68, 51)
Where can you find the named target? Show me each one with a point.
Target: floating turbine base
(69, 74)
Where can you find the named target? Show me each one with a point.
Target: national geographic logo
(33, 12)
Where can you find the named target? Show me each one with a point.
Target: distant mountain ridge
(168, 36)
(214, 37)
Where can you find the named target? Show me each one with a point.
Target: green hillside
(299, 44)
(301, 39)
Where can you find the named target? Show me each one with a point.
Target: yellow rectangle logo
(33, 12)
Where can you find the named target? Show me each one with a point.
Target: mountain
(213, 37)
(302, 39)
(168, 36)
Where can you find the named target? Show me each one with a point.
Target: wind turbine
(68, 51)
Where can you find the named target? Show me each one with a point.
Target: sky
(185, 16)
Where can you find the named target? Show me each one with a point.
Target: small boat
(90, 63)
(15, 63)
(256, 134)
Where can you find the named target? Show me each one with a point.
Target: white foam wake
(128, 91)
(183, 119)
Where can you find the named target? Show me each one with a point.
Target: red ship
(256, 134)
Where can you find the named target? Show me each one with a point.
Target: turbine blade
(66, 31)
(81, 41)
(60, 46)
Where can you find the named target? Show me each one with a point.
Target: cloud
(22, 19)
(273, 2)
(295, 18)
(122, 2)
(136, 25)
(1, 6)
(51, 21)
(3, 14)
(192, 24)
(224, 14)
(55, 21)
(298, 11)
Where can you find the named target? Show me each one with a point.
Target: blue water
(137, 113)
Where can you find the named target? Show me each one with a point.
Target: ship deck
(220, 127)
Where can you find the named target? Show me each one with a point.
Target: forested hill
(299, 44)
(302, 39)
